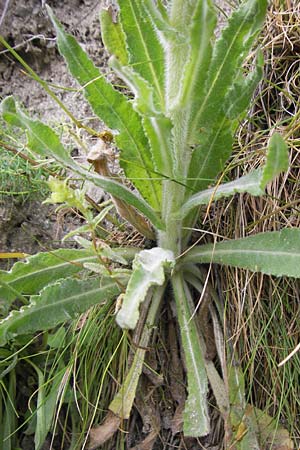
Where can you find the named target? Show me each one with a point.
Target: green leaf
(242, 419)
(56, 303)
(116, 111)
(39, 270)
(277, 159)
(201, 28)
(123, 400)
(196, 416)
(206, 165)
(113, 36)
(274, 253)
(148, 270)
(43, 141)
(211, 128)
(144, 100)
(159, 132)
(45, 406)
(239, 95)
(249, 183)
(8, 418)
(144, 49)
(253, 183)
(145, 79)
(230, 50)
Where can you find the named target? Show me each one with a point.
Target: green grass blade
(8, 424)
(56, 303)
(275, 253)
(43, 140)
(196, 417)
(116, 111)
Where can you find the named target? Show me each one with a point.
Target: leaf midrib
(43, 306)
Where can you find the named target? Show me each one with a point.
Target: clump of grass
(263, 313)
(21, 178)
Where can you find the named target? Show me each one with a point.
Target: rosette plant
(174, 127)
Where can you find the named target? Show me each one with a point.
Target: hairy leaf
(239, 95)
(116, 111)
(144, 101)
(274, 253)
(56, 303)
(159, 132)
(211, 129)
(201, 29)
(254, 183)
(144, 49)
(196, 417)
(39, 270)
(148, 270)
(277, 159)
(113, 36)
(43, 141)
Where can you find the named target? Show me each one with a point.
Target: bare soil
(31, 226)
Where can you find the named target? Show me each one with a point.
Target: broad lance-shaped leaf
(253, 183)
(116, 111)
(212, 129)
(148, 270)
(44, 141)
(144, 49)
(57, 303)
(39, 270)
(158, 128)
(195, 416)
(201, 29)
(274, 253)
(229, 51)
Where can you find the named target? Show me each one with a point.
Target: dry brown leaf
(148, 442)
(101, 434)
(177, 421)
